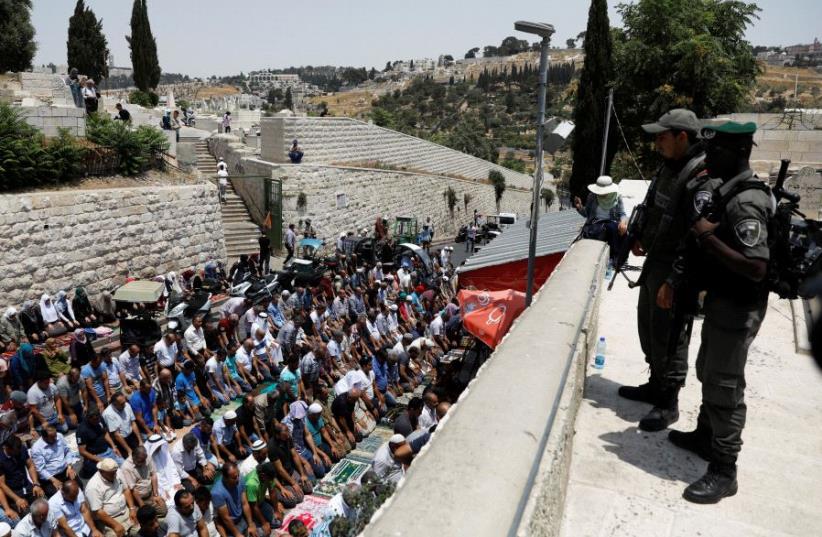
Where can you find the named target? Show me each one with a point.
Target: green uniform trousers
(668, 370)
(727, 333)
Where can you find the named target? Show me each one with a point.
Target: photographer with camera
(663, 335)
(728, 257)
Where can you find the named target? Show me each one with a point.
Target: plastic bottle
(599, 361)
(609, 272)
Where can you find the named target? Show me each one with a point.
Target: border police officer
(664, 342)
(730, 263)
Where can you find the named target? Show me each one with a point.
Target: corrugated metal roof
(556, 232)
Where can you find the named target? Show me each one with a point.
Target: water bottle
(609, 272)
(599, 361)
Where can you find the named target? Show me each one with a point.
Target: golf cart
(139, 304)
(411, 256)
(406, 229)
(313, 262)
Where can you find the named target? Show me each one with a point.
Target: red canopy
(488, 315)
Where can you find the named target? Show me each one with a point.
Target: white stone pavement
(626, 482)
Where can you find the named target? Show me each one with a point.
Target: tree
(143, 48)
(87, 47)
(372, 74)
(548, 197)
(17, 46)
(681, 54)
(490, 51)
(571, 42)
(288, 102)
(589, 114)
(472, 53)
(498, 181)
(387, 67)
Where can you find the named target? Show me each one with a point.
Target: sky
(222, 37)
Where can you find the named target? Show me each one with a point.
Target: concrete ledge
(498, 464)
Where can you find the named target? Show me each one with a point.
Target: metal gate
(274, 205)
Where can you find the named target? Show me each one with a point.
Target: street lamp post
(545, 31)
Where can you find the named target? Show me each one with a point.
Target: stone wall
(46, 87)
(49, 119)
(493, 475)
(58, 240)
(368, 192)
(340, 140)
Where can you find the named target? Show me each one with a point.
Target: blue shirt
(231, 498)
(204, 439)
(96, 376)
(185, 383)
(276, 315)
(144, 404)
(380, 373)
(52, 459)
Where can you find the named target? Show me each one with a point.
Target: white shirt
(26, 527)
(195, 339)
(248, 465)
(216, 367)
(427, 418)
(166, 354)
(234, 305)
(222, 177)
(117, 421)
(243, 359)
(43, 400)
(436, 326)
(130, 365)
(386, 466)
(334, 349)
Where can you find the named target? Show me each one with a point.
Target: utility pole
(545, 31)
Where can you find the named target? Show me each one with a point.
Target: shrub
(138, 149)
(27, 160)
(498, 180)
(147, 99)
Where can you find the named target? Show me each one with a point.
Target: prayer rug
(310, 512)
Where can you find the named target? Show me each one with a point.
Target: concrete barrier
(498, 463)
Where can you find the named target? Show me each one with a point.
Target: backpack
(166, 123)
(790, 261)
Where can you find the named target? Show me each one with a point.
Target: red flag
(488, 315)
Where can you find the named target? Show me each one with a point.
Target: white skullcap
(393, 307)
(286, 293)
(5, 529)
(396, 439)
(258, 445)
(315, 408)
(230, 415)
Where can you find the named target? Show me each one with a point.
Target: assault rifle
(636, 223)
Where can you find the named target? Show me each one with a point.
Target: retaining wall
(332, 140)
(362, 193)
(498, 463)
(49, 119)
(95, 238)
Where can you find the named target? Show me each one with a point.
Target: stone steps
(239, 231)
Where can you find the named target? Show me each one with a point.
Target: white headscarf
(10, 312)
(163, 465)
(47, 310)
(171, 279)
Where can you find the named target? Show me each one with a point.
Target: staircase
(239, 230)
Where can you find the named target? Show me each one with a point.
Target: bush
(138, 149)
(28, 160)
(146, 99)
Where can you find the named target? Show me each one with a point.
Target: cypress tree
(87, 46)
(289, 100)
(589, 114)
(17, 46)
(143, 48)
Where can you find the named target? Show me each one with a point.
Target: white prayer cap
(258, 445)
(5, 529)
(315, 408)
(230, 415)
(393, 307)
(397, 439)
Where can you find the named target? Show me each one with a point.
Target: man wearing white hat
(605, 214)
(259, 455)
(389, 458)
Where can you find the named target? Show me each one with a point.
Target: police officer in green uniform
(665, 342)
(728, 259)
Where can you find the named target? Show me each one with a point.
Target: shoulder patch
(748, 232)
(701, 199)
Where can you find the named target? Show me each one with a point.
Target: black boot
(717, 483)
(697, 441)
(664, 413)
(647, 393)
